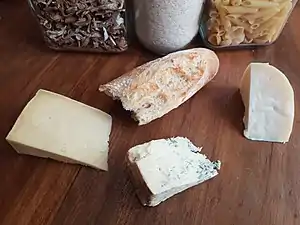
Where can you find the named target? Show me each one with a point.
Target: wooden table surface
(259, 183)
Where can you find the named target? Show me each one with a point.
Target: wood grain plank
(38, 199)
(258, 183)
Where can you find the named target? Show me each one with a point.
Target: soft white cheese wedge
(162, 168)
(54, 126)
(269, 103)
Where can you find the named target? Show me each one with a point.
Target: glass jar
(82, 25)
(167, 26)
(243, 23)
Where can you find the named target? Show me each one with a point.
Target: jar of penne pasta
(230, 23)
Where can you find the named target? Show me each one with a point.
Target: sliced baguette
(157, 87)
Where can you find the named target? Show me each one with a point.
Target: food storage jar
(82, 25)
(167, 26)
(242, 23)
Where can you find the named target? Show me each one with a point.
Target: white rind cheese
(167, 167)
(57, 127)
(269, 103)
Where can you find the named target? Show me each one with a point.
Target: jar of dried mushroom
(167, 26)
(244, 23)
(82, 25)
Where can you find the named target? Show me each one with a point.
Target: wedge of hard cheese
(269, 103)
(57, 127)
(162, 168)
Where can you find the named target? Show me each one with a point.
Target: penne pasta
(267, 25)
(235, 22)
(284, 4)
(226, 42)
(240, 9)
(214, 39)
(227, 36)
(254, 26)
(233, 16)
(221, 12)
(261, 41)
(279, 1)
(226, 24)
(247, 41)
(236, 2)
(266, 32)
(221, 33)
(225, 2)
(274, 37)
(238, 39)
(237, 29)
(279, 28)
(240, 23)
(213, 14)
(250, 21)
(261, 14)
(285, 10)
(217, 29)
(252, 36)
(271, 34)
(213, 22)
(259, 4)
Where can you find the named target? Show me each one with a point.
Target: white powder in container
(164, 26)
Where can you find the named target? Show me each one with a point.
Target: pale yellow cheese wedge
(54, 126)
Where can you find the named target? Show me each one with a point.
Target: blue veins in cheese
(167, 167)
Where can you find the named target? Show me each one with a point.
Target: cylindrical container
(82, 25)
(166, 26)
(244, 23)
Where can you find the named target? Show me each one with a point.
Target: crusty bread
(155, 88)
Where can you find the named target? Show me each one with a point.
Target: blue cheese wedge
(54, 126)
(269, 103)
(162, 168)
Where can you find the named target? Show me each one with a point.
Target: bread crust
(157, 87)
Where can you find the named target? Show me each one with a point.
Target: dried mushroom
(112, 4)
(97, 25)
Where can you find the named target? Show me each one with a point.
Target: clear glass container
(166, 26)
(82, 25)
(243, 23)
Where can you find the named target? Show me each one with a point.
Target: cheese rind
(54, 126)
(269, 103)
(162, 168)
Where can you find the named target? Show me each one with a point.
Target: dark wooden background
(259, 182)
